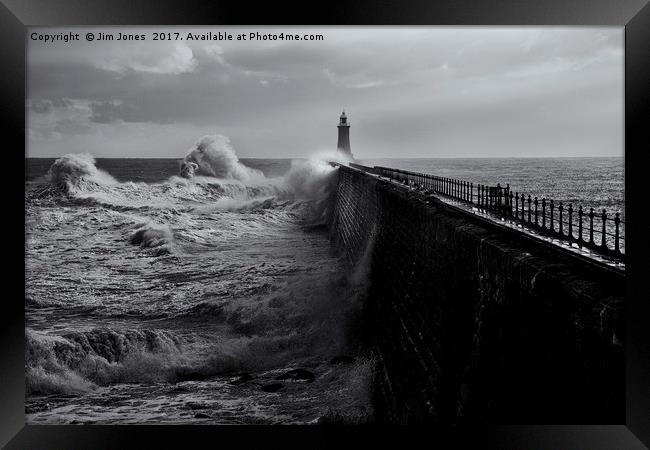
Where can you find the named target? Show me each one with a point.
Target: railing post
(471, 192)
(498, 199)
(591, 226)
(516, 205)
(510, 208)
(551, 227)
(536, 222)
(544, 212)
(570, 221)
(559, 209)
(617, 221)
(603, 241)
(528, 208)
(580, 240)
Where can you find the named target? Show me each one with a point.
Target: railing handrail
(542, 214)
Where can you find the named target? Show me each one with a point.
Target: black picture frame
(634, 15)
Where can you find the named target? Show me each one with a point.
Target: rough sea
(157, 299)
(215, 298)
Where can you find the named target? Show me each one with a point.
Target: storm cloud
(408, 91)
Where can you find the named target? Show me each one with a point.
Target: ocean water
(153, 298)
(597, 183)
(216, 299)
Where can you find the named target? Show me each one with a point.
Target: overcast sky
(408, 92)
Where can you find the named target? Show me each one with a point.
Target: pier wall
(472, 322)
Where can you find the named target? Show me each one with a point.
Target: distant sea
(591, 182)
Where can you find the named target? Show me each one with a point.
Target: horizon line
(358, 159)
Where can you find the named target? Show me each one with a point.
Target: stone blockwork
(473, 322)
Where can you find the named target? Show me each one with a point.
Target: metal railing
(590, 229)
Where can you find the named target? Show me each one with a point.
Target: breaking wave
(153, 236)
(210, 173)
(214, 156)
(81, 360)
(78, 171)
(264, 333)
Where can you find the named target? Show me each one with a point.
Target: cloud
(354, 81)
(467, 89)
(113, 111)
(175, 60)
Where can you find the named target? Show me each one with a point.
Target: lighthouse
(343, 145)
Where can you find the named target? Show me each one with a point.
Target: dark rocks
(190, 376)
(297, 375)
(201, 416)
(243, 378)
(342, 359)
(273, 387)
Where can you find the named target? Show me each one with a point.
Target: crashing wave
(214, 156)
(77, 171)
(159, 238)
(210, 172)
(81, 360)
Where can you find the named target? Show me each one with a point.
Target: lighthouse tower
(343, 145)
